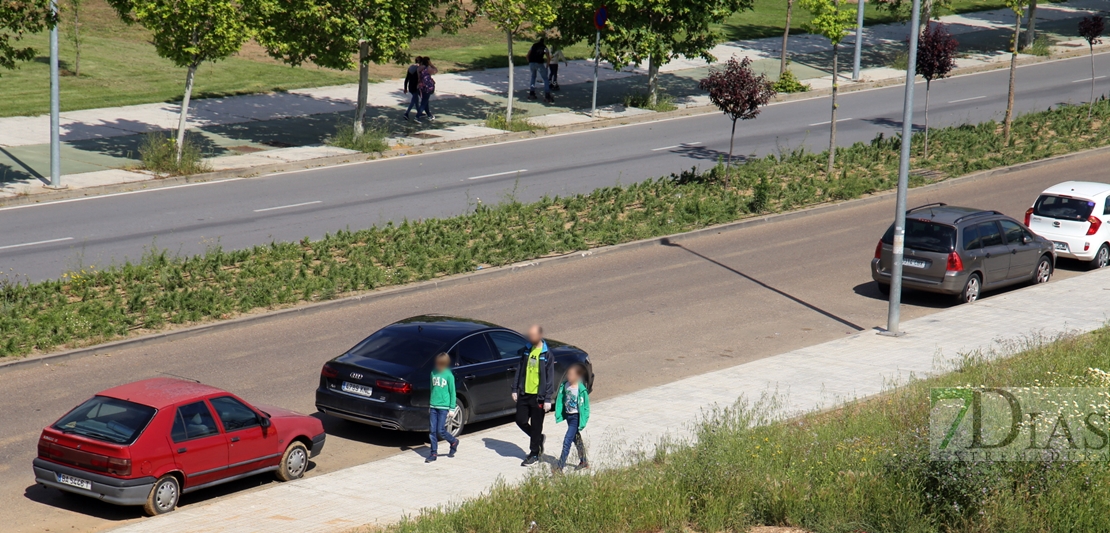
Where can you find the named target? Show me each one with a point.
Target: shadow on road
(505, 449)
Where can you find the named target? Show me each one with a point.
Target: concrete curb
(263, 170)
(493, 273)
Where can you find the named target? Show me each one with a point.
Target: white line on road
(128, 193)
(829, 121)
(34, 243)
(683, 145)
(287, 206)
(967, 99)
(498, 174)
(1088, 79)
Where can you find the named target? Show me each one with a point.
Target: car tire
(457, 419)
(1043, 273)
(294, 462)
(972, 288)
(1102, 258)
(884, 289)
(163, 496)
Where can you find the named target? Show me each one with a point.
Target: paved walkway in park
(243, 132)
(817, 377)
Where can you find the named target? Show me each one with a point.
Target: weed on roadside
(663, 101)
(158, 152)
(372, 140)
(789, 83)
(519, 123)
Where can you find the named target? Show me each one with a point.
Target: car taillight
(879, 250)
(119, 467)
(1028, 216)
(955, 264)
(1095, 224)
(328, 372)
(399, 387)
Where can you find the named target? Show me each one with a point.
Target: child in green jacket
(573, 405)
(441, 403)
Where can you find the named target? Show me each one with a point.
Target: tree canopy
(17, 19)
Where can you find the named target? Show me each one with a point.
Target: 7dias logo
(1019, 424)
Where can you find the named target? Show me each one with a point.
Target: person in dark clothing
(412, 85)
(538, 58)
(533, 391)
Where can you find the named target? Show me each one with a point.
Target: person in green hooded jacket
(573, 405)
(440, 403)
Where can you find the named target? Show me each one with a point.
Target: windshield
(925, 236)
(1063, 208)
(107, 419)
(397, 346)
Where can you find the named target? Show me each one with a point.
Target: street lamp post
(55, 141)
(894, 307)
(859, 40)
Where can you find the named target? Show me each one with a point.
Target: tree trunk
(832, 125)
(1031, 26)
(363, 85)
(785, 36)
(1013, 72)
(1091, 107)
(76, 40)
(653, 81)
(926, 15)
(731, 139)
(182, 121)
(509, 106)
(927, 83)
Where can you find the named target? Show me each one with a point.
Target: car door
(479, 371)
(510, 348)
(249, 446)
(1024, 251)
(993, 253)
(199, 449)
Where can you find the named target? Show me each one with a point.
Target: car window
(403, 347)
(107, 419)
(472, 350)
(925, 236)
(989, 234)
(1106, 209)
(1012, 231)
(233, 414)
(508, 345)
(971, 238)
(193, 421)
(1063, 208)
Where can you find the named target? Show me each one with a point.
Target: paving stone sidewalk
(811, 378)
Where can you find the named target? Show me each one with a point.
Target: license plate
(1063, 246)
(75, 482)
(916, 263)
(355, 388)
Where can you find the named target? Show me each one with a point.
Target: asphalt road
(647, 316)
(43, 241)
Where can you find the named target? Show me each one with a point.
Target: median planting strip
(98, 305)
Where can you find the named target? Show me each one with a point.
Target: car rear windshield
(107, 419)
(1063, 207)
(398, 346)
(925, 236)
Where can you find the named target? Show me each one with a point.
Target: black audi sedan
(385, 380)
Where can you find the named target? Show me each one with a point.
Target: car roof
(1088, 189)
(439, 327)
(160, 393)
(946, 214)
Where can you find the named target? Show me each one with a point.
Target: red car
(149, 442)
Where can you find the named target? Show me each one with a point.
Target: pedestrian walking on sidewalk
(441, 402)
(557, 57)
(538, 59)
(427, 88)
(412, 86)
(533, 390)
(573, 405)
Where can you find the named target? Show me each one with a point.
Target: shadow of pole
(28, 169)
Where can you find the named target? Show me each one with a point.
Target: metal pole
(894, 308)
(597, 61)
(55, 142)
(859, 40)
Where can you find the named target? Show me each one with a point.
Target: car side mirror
(1026, 239)
(264, 422)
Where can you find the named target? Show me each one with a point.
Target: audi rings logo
(356, 375)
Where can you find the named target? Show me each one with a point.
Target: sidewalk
(242, 132)
(817, 377)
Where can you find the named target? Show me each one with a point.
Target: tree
(832, 22)
(1091, 29)
(936, 57)
(333, 33)
(188, 33)
(901, 9)
(17, 19)
(786, 36)
(73, 31)
(738, 92)
(1031, 26)
(514, 17)
(1017, 6)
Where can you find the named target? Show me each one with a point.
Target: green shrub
(899, 61)
(1042, 46)
(789, 83)
(158, 152)
(520, 123)
(372, 140)
(663, 101)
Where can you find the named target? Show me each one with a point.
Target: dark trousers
(553, 74)
(574, 437)
(529, 418)
(437, 419)
(425, 98)
(414, 103)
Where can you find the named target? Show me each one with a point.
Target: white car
(1075, 216)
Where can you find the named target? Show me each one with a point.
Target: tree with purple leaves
(936, 57)
(1091, 29)
(738, 92)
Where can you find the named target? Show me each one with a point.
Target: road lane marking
(287, 206)
(494, 175)
(97, 197)
(1088, 79)
(829, 121)
(683, 145)
(35, 243)
(967, 99)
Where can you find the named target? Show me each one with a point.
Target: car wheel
(1102, 258)
(163, 497)
(294, 462)
(884, 289)
(1043, 272)
(456, 419)
(971, 289)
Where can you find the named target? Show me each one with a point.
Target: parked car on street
(149, 442)
(385, 380)
(1072, 216)
(963, 251)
